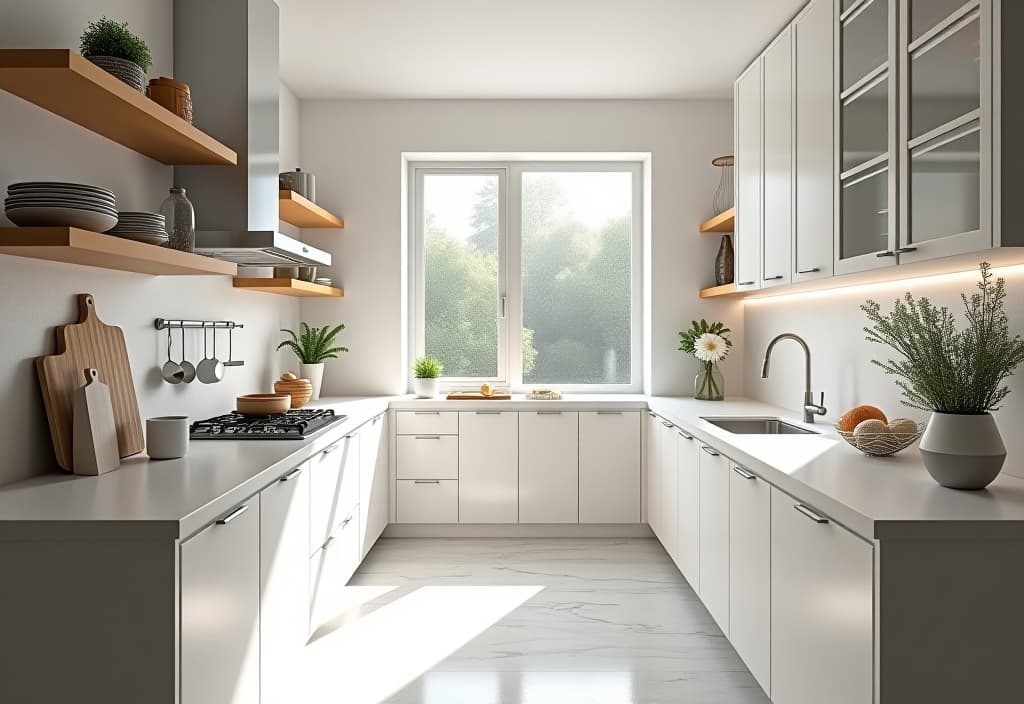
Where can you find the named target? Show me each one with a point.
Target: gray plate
(58, 186)
(65, 206)
(49, 200)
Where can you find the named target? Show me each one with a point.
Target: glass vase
(709, 384)
(180, 220)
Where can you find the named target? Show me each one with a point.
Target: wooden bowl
(300, 391)
(262, 404)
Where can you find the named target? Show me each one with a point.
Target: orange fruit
(849, 420)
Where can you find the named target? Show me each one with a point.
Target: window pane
(460, 226)
(576, 257)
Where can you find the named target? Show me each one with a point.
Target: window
(527, 274)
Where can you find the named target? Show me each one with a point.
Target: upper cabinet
(778, 162)
(749, 177)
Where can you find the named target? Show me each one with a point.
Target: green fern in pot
(313, 346)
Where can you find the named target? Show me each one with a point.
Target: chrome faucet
(811, 409)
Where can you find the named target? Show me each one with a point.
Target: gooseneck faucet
(811, 409)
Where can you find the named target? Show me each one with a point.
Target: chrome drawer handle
(746, 283)
(744, 473)
(684, 435)
(427, 437)
(773, 278)
(711, 451)
(426, 481)
(426, 413)
(346, 521)
(666, 424)
(232, 516)
(812, 270)
(651, 415)
(488, 413)
(609, 413)
(332, 448)
(291, 475)
(327, 543)
(549, 413)
(816, 517)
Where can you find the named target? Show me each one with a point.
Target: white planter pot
(426, 388)
(963, 452)
(315, 374)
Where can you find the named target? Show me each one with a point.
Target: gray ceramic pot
(963, 452)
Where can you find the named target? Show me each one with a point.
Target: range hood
(227, 51)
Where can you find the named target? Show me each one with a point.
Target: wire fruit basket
(882, 444)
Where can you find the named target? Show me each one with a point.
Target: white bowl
(61, 217)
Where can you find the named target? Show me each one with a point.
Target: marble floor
(523, 621)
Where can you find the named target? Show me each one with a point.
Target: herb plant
(427, 368)
(105, 37)
(313, 345)
(944, 369)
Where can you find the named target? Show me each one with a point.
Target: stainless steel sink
(759, 426)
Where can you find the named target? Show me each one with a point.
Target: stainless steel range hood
(227, 51)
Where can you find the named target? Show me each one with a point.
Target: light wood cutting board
(90, 343)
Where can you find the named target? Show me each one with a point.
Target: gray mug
(167, 437)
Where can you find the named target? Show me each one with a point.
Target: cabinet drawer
(427, 457)
(427, 423)
(428, 501)
(334, 488)
(330, 568)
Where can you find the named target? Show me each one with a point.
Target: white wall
(832, 323)
(355, 148)
(35, 296)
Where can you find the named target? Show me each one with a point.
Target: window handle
(504, 301)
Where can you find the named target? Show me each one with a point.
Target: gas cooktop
(292, 425)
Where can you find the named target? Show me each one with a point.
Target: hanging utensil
(231, 361)
(210, 369)
(186, 366)
(171, 371)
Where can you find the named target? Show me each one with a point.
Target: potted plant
(111, 46)
(312, 346)
(426, 381)
(956, 374)
(710, 344)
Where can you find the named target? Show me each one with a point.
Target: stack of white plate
(141, 227)
(323, 281)
(56, 204)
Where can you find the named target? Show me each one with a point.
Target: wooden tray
(476, 396)
(89, 343)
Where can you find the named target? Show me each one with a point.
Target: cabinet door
(653, 471)
(748, 179)
(330, 568)
(778, 162)
(488, 467)
(334, 488)
(610, 467)
(669, 489)
(549, 467)
(427, 501)
(373, 482)
(750, 572)
(688, 545)
(714, 535)
(220, 610)
(822, 612)
(814, 146)
(284, 582)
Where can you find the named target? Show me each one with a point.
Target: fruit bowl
(881, 444)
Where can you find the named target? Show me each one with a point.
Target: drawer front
(427, 457)
(334, 488)
(428, 501)
(330, 568)
(427, 423)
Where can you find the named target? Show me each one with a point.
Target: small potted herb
(709, 343)
(111, 46)
(958, 375)
(426, 381)
(312, 346)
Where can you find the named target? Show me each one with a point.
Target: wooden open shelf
(302, 212)
(723, 222)
(75, 246)
(68, 85)
(718, 291)
(289, 287)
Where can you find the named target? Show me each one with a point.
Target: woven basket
(127, 71)
(173, 95)
(882, 444)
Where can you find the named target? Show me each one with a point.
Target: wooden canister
(173, 95)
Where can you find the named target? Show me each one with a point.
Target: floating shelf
(68, 85)
(302, 212)
(75, 246)
(718, 291)
(289, 287)
(723, 222)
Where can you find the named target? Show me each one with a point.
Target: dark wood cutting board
(89, 343)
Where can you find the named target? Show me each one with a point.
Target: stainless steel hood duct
(227, 51)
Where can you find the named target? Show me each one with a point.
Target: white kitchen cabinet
(427, 501)
(688, 542)
(549, 468)
(427, 423)
(777, 206)
(427, 456)
(814, 142)
(669, 488)
(653, 472)
(334, 488)
(488, 467)
(373, 482)
(714, 534)
(330, 568)
(821, 608)
(750, 572)
(220, 610)
(749, 177)
(609, 467)
(284, 583)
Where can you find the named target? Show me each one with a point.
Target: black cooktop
(298, 424)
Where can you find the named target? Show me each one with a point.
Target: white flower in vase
(710, 347)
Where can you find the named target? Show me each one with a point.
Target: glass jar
(709, 384)
(180, 220)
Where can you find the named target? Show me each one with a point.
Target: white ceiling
(523, 48)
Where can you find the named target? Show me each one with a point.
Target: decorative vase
(709, 384)
(122, 69)
(724, 269)
(315, 374)
(426, 388)
(961, 451)
(180, 220)
(723, 199)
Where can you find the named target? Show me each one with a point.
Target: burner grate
(292, 425)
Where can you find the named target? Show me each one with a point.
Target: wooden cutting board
(90, 343)
(476, 396)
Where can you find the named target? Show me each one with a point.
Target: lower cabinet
(688, 542)
(334, 488)
(668, 481)
(714, 534)
(220, 610)
(609, 467)
(653, 470)
(549, 477)
(488, 467)
(822, 580)
(750, 572)
(427, 501)
(373, 482)
(330, 569)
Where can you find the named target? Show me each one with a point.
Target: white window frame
(509, 303)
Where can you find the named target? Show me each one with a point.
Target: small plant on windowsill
(426, 373)
(312, 346)
(710, 344)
